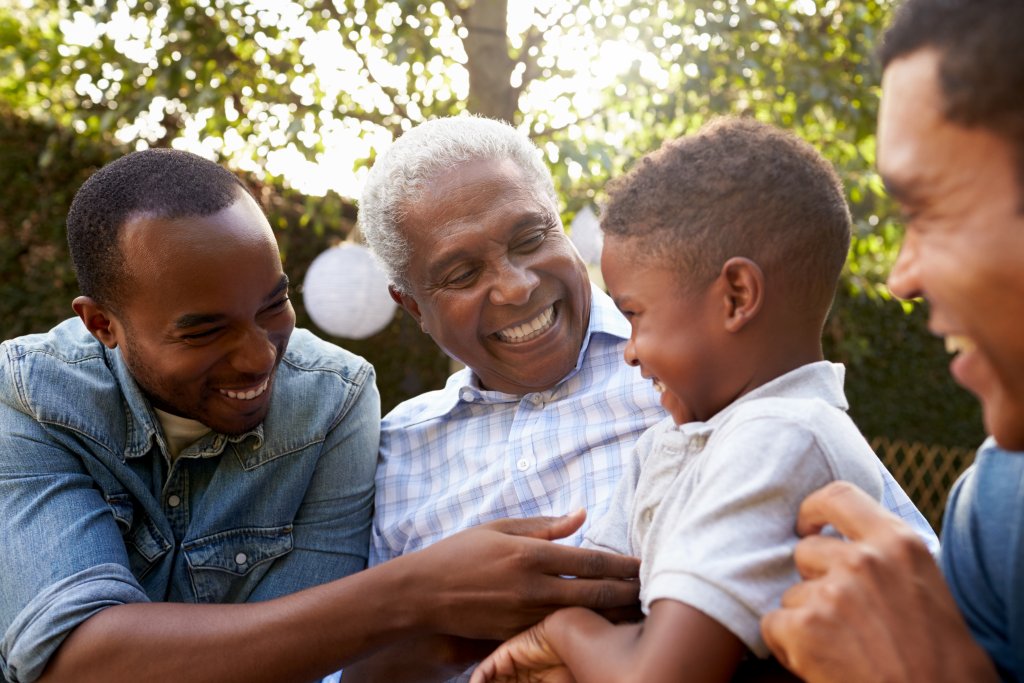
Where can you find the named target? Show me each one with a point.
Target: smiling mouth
(518, 334)
(658, 385)
(246, 395)
(957, 343)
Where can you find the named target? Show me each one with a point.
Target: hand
(873, 608)
(497, 579)
(526, 658)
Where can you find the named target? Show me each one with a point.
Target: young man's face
(964, 245)
(677, 337)
(495, 281)
(207, 317)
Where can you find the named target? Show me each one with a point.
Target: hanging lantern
(346, 292)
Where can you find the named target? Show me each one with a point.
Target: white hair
(419, 156)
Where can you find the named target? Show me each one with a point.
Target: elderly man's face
(495, 281)
(964, 245)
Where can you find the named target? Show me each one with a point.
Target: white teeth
(247, 395)
(658, 386)
(528, 330)
(957, 343)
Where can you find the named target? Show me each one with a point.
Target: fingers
(562, 560)
(852, 512)
(546, 528)
(816, 555)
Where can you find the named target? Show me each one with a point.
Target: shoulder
(318, 383)
(44, 373)
(307, 353)
(986, 505)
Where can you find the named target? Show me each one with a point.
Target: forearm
(675, 642)
(423, 659)
(299, 637)
(594, 649)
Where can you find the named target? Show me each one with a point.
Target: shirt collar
(144, 428)
(821, 380)
(464, 385)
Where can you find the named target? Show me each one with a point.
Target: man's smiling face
(207, 318)
(964, 245)
(494, 279)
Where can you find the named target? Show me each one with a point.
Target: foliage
(38, 282)
(300, 95)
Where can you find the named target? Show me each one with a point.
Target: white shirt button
(537, 400)
(241, 558)
(467, 396)
(173, 501)
(523, 464)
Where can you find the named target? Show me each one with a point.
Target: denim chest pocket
(227, 566)
(143, 541)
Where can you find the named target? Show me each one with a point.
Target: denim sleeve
(62, 557)
(332, 527)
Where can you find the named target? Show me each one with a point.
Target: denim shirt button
(241, 558)
(173, 501)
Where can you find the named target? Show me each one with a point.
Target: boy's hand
(526, 658)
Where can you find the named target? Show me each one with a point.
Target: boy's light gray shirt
(711, 507)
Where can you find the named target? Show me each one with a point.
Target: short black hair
(981, 67)
(164, 183)
(737, 187)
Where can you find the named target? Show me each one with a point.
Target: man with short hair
(462, 212)
(951, 151)
(180, 442)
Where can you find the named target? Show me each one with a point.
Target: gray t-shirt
(710, 507)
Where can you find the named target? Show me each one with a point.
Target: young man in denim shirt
(180, 442)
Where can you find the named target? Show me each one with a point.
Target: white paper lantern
(585, 233)
(346, 293)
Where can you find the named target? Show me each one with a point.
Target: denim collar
(143, 427)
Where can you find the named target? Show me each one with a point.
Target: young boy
(723, 249)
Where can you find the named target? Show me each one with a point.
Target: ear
(98, 320)
(743, 282)
(408, 303)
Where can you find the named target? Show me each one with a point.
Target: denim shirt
(94, 513)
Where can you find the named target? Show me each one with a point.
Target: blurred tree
(301, 94)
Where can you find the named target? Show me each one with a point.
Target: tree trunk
(489, 64)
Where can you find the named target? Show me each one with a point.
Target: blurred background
(298, 97)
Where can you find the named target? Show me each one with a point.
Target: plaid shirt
(461, 456)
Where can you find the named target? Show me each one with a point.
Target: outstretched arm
(486, 582)
(676, 642)
(872, 608)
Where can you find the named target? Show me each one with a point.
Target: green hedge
(897, 380)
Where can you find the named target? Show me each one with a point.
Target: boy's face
(495, 281)
(207, 319)
(677, 338)
(964, 245)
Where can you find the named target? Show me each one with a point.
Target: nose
(629, 354)
(255, 353)
(903, 281)
(513, 285)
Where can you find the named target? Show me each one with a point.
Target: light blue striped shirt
(460, 456)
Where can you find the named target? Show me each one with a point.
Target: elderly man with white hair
(463, 214)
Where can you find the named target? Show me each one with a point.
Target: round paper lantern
(346, 293)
